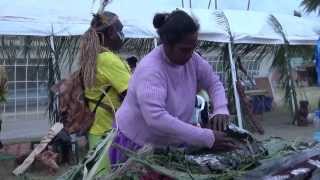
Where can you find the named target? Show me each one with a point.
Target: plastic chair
(199, 106)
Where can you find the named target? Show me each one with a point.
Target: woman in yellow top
(100, 68)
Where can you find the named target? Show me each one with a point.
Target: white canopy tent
(299, 30)
(44, 18)
(59, 18)
(269, 6)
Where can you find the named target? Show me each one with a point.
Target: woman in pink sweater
(160, 99)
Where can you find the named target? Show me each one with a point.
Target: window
(28, 82)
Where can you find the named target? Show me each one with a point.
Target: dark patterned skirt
(115, 154)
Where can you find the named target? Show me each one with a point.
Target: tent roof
(44, 17)
(72, 17)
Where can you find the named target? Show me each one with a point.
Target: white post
(248, 5)
(235, 91)
(155, 42)
(52, 54)
(52, 44)
(54, 60)
(215, 4)
(92, 5)
(52, 48)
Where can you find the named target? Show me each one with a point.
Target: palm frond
(139, 47)
(311, 5)
(304, 51)
(280, 63)
(65, 53)
(277, 27)
(227, 78)
(222, 20)
(265, 50)
(208, 46)
(67, 49)
(8, 49)
(255, 51)
(283, 61)
(249, 58)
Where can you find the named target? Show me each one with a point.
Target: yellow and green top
(111, 71)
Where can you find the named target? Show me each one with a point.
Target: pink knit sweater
(160, 101)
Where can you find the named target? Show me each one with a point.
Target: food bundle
(274, 158)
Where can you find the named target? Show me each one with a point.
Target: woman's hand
(218, 122)
(222, 142)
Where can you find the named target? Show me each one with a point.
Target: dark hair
(102, 21)
(90, 46)
(174, 26)
(132, 59)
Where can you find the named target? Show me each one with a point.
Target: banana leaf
(88, 168)
(178, 163)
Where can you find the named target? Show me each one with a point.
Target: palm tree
(311, 5)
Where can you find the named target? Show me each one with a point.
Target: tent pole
(52, 49)
(52, 45)
(91, 8)
(209, 4)
(155, 42)
(235, 91)
(53, 55)
(182, 3)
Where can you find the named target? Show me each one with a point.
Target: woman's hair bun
(159, 19)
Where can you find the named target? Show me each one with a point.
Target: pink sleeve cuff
(220, 110)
